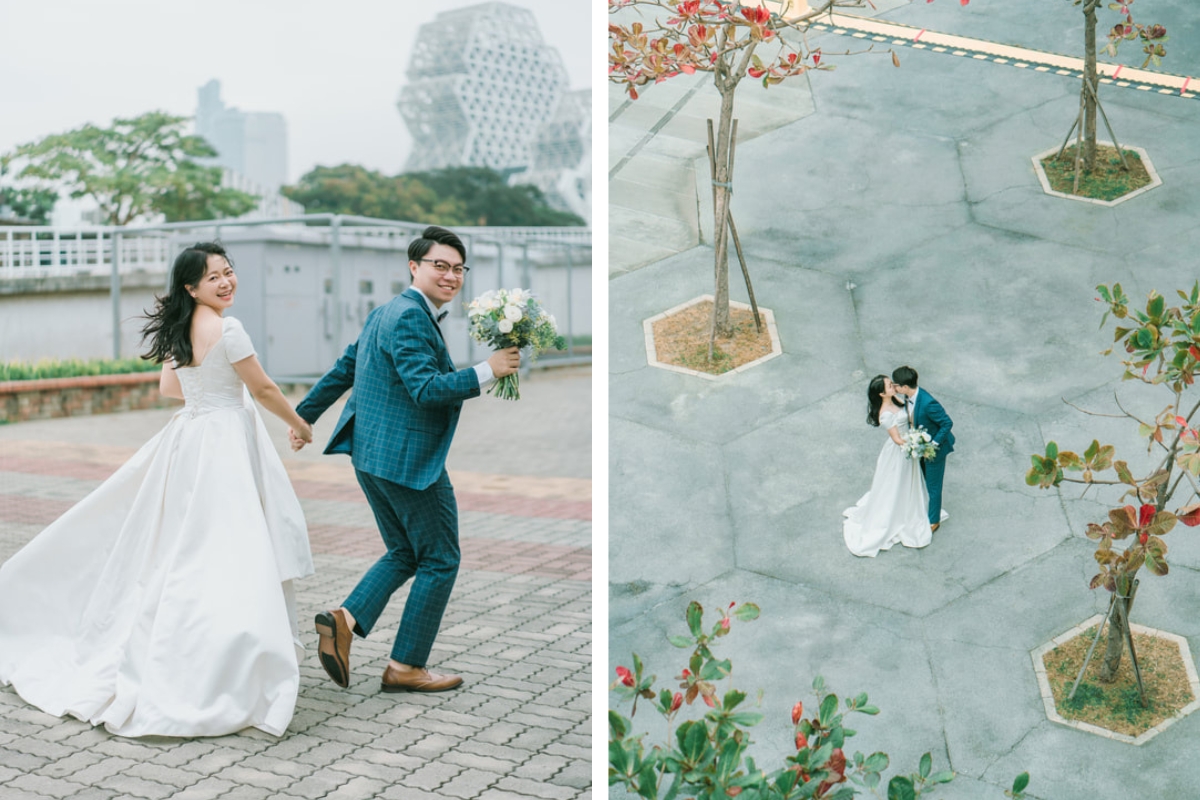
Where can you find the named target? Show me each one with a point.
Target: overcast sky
(333, 68)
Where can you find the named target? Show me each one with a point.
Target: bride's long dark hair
(874, 399)
(169, 325)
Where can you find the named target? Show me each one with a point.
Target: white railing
(45, 252)
(28, 251)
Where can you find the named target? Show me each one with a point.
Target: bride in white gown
(161, 604)
(896, 508)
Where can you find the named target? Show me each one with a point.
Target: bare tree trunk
(1117, 626)
(721, 322)
(1089, 79)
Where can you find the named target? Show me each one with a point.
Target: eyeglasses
(442, 267)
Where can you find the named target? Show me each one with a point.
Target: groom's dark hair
(905, 376)
(419, 248)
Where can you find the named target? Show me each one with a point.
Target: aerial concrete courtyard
(893, 216)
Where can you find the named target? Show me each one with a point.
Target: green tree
(489, 200)
(34, 205)
(351, 189)
(135, 167)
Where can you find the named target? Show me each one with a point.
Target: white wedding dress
(896, 509)
(162, 603)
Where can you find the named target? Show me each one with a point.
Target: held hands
(301, 437)
(505, 362)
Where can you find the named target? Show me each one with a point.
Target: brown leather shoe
(933, 528)
(334, 647)
(420, 680)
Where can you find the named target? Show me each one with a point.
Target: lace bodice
(214, 383)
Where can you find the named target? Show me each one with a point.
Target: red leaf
(801, 740)
(1143, 537)
(797, 712)
(1146, 516)
(625, 675)
(816, 57)
(633, 95)
(1194, 352)
(676, 701)
(688, 69)
(1189, 515)
(755, 73)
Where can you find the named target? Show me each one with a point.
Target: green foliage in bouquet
(707, 758)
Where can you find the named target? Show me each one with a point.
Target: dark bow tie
(442, 315)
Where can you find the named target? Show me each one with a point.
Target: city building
(485, 90)
(252, 144)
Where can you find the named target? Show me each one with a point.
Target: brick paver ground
(518, 627)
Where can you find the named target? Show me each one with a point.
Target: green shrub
(72, 368)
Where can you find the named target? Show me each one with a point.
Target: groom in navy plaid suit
(397, 427)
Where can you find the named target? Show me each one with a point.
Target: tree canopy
(135, 167)
(453, 196)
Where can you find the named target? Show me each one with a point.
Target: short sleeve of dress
(889, 419)
(237, 342)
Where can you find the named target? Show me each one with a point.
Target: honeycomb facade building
(482, 88)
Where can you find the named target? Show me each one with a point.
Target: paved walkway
(518, 627)
(893, 216)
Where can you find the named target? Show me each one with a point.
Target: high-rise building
(252, 144)
(561, 157)
(480, 83)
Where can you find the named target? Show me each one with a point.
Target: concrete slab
(901, 222)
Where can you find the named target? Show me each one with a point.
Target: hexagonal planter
(1048, 694)
(1045, 181)
(768, 318)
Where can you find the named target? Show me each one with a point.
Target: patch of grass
(682, 339)
(72, 368)
(1107, 181)
(1117, 706)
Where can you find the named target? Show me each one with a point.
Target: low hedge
(72, 368)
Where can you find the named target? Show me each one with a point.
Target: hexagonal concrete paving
(900, 222)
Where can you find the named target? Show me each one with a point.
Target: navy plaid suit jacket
(929, 414)
(406, 395)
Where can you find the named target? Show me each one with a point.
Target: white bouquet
(512, 318)
(918, 444)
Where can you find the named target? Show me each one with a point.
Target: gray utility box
(304, 292)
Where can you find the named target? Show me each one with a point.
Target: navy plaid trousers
(420, 529)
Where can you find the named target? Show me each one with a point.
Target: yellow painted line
(981, 49)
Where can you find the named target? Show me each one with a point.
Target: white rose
(512, 314)
(505, 326)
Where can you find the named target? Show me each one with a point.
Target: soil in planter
(1106, 182)
(1117, 706)
(682, 339)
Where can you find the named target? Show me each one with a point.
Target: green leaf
(618, 726)
(682, 641)
(926, 765)
(618, 757)
(747, 612)
(694, 614)
(942, 776)
(871, 710)
(747, 719)
(1156, 305)
(828, 709)
(1021, 782)
(901, 788)
(1052, 451)
(693, 740)
(715, 670)
(876, 762)
(732, 698)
